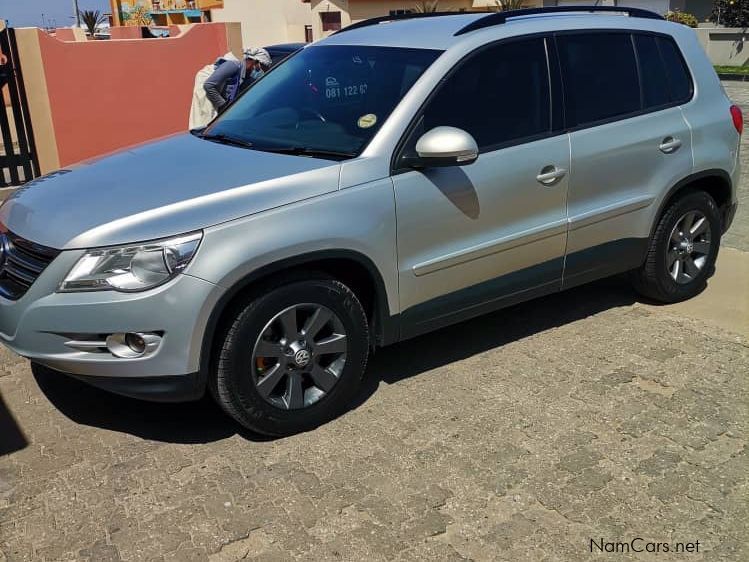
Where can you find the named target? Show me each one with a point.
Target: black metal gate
(18, 161)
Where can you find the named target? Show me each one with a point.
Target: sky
(25, 13)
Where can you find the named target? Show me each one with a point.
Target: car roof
(441, 32)
(285, 47)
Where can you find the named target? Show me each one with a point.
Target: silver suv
(403, 174)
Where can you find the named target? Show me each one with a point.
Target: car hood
(159, 189)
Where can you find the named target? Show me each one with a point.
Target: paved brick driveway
(518, 436)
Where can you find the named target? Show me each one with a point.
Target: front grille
(21, 262)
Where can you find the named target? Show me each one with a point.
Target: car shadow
(463, 340)
(204, 422)
(185, 423)
(11, 437)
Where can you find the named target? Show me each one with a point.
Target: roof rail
(398, 17)
(502, 17)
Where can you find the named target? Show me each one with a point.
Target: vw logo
(301, 357)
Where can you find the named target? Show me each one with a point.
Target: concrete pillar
(35, 82)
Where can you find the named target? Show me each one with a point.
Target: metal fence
(18, 162)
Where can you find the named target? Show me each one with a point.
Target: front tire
(682, 252)
(293, 357)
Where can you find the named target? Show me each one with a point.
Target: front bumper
(38, 325)
(176, 388)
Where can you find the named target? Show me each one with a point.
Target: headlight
(132, 268)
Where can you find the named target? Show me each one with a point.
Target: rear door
(629, 144)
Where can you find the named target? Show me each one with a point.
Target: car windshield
(326, 101)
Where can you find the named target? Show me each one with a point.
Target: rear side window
(599, 71)
(676, 70)
(500, 95)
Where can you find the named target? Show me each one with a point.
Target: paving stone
(519, 436)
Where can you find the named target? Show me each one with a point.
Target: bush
(682, 17)
(733, 13)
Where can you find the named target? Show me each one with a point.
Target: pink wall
(126, 32)
(65, 34)
(105, 95)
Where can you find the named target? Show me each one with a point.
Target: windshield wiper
(306, 151)
(226, 139)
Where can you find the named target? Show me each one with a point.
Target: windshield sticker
(351, 91)
(367, 121)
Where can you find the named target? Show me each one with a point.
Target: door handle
(550, 175)
(669, 145)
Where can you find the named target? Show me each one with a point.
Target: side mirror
(446, 146)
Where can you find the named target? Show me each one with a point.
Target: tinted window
(676, 70)
(325, 98)
(599, 71)
(499, 95)
(655, 88)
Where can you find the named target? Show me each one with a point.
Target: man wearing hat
(232, 75)
(258, 62)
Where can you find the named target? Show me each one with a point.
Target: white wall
(659, 6)
(725, 45)
(266, 22)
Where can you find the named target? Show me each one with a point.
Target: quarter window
(676, 71)
(500, 95)
(599, 71)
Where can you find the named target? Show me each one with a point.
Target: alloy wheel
(299, 356)
(689, 247)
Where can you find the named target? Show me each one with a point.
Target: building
(268, 22)
(162, 12)
(331, 15)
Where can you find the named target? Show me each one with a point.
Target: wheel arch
(350, 267)
(715, 182)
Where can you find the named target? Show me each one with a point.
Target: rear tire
(293, 358)
(682, 252)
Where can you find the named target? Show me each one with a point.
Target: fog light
(136, 343)
(132, 345)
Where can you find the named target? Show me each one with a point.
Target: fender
(386, 328)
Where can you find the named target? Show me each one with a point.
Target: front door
(481, 236)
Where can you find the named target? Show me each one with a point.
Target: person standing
(218, 84)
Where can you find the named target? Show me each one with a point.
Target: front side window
(499, 96)
(599, 72)
(326, 99)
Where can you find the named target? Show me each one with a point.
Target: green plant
(92, 19)
(427, 6)
(743, 70)
(506, 5)
(682, 17)
(731, 13)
